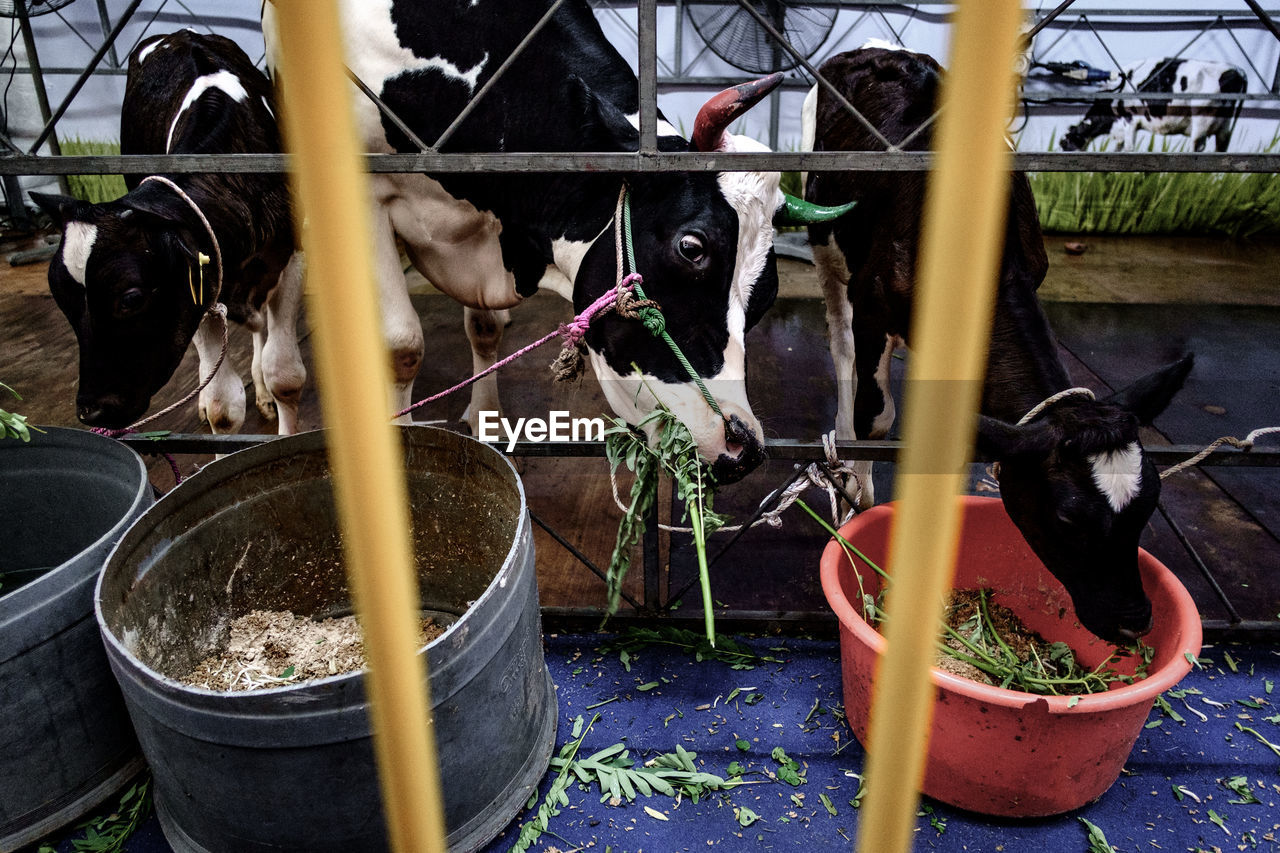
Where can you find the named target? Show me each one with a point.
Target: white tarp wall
(67, 39)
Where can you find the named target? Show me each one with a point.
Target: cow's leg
(1222, 139)
(1201, 126)
(281, 373)
(401, 327)
(262, 399)
(833, 276)
(484, 331)
(873, 408)
(222, 402)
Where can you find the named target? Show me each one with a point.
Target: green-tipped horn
(797, 211)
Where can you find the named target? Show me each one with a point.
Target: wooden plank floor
(792, 390)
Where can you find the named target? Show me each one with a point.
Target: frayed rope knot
(569, 363)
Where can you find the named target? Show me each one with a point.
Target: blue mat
(662, 698)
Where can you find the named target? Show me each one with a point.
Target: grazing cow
(1198, 118)
(136, 276)
(703, 242)
(1074, 478)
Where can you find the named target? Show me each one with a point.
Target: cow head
(1096, 122)
(123, 279)
(1077, 485)
(703, 243)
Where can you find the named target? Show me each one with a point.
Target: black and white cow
(130, 277)
(1074, 479)
(703, 242)
(1198, 118)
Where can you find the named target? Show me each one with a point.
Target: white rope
(216, 309)
(811, 476)
(1044, 404)
(1245, 445)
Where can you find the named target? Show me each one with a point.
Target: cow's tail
(808, 128)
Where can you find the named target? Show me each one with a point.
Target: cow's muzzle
(1118, 627)
(110, 412)
(744, 452)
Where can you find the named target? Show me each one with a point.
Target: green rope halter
(652, 317)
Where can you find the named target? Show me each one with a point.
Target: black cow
(136, 276)
(1074, 479)
(703, 242)
(1198, 118)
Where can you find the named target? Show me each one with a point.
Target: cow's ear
(1000, 440)
(601, 125)
(61, 208)
(1148, 396)
(165, 208)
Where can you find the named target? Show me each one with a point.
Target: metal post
(51, 121)
(332, 197)
(963, 219)
(104, 20)
(42, 93)
(648, 21)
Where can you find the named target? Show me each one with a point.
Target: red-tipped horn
(718, 113)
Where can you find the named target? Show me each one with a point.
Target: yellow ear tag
(203, 259)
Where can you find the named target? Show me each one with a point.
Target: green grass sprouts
(1238, 205)
(93, 188)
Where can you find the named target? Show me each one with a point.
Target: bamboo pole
(964, 216)
(332, 194)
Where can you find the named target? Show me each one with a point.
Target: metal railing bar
(61, 17)
(822, 81)
(391, 114)
(761, 509)
(625, 161)
(579, 619)
(1199, 563)
(497, 75)
(142, 33)
(104, 22)
(84, 77)
(632, 31)
(1264, 18)
(648, 76)
(784, 449)
(578, 555)
(1048, 19)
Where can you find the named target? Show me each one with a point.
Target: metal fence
(431, 159)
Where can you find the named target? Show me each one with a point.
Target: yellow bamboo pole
(964, 217)
(331, 191)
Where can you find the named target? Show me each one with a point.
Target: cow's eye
(131, 301)
(691, 248)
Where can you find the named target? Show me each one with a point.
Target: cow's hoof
(266, 407)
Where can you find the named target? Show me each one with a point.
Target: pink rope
(573, 331)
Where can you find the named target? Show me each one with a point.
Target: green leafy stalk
(704, 574)
(726, 649)
(556, 796)
(12, 425)
(674, 453)
(108, 833)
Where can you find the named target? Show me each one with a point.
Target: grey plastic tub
(292, 768)
(65, 740)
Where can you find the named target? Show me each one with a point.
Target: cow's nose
(109, 411)
(91, 414)
(744, 452)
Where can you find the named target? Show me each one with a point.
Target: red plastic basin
(1004, 752)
